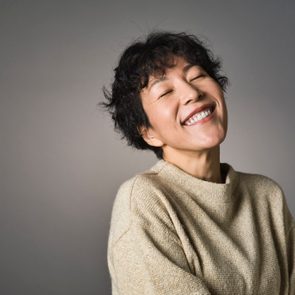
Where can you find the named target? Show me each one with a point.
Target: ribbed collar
(199, 187)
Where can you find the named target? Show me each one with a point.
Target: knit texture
(172, 233)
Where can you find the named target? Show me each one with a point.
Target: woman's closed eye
(165, 93)
(197, 77)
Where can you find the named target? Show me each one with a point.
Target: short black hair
(137, 63)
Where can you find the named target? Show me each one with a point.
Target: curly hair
(141, 60)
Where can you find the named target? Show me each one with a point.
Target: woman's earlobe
(150, 137)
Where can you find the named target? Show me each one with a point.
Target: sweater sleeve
(148, 258)
(291, 259)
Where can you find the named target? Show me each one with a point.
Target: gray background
(60, 161)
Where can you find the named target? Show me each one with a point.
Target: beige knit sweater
(174, 234)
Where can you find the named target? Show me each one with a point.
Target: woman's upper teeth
(198, 116)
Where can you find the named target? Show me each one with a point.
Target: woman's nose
(189, 93)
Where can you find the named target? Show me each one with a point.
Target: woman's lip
(204, 120)
(206, 106)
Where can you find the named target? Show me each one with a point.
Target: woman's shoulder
(142, 181)
(266, 191)
(262, 188)
(139, 193)
(259, 181)
(143, 186)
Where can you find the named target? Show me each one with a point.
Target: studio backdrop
(61, 163)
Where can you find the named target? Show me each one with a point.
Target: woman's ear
(150, 137)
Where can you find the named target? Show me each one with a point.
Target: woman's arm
(291, 259)
(148, 257)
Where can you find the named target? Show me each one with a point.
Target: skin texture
(169, 100)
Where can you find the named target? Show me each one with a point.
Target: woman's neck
(203, 165)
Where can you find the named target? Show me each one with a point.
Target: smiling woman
(190, 224)
(188, 118)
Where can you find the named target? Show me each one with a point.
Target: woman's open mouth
(200, 117)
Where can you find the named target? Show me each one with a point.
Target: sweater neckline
(196, 186)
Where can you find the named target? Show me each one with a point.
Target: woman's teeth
(197, 117)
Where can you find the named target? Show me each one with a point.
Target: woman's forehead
(180, 63)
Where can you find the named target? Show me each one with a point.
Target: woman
(190, 224)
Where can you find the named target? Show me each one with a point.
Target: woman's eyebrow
(187, 67)
(155, 81)
(163, 78)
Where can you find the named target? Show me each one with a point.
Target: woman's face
(186, 110)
